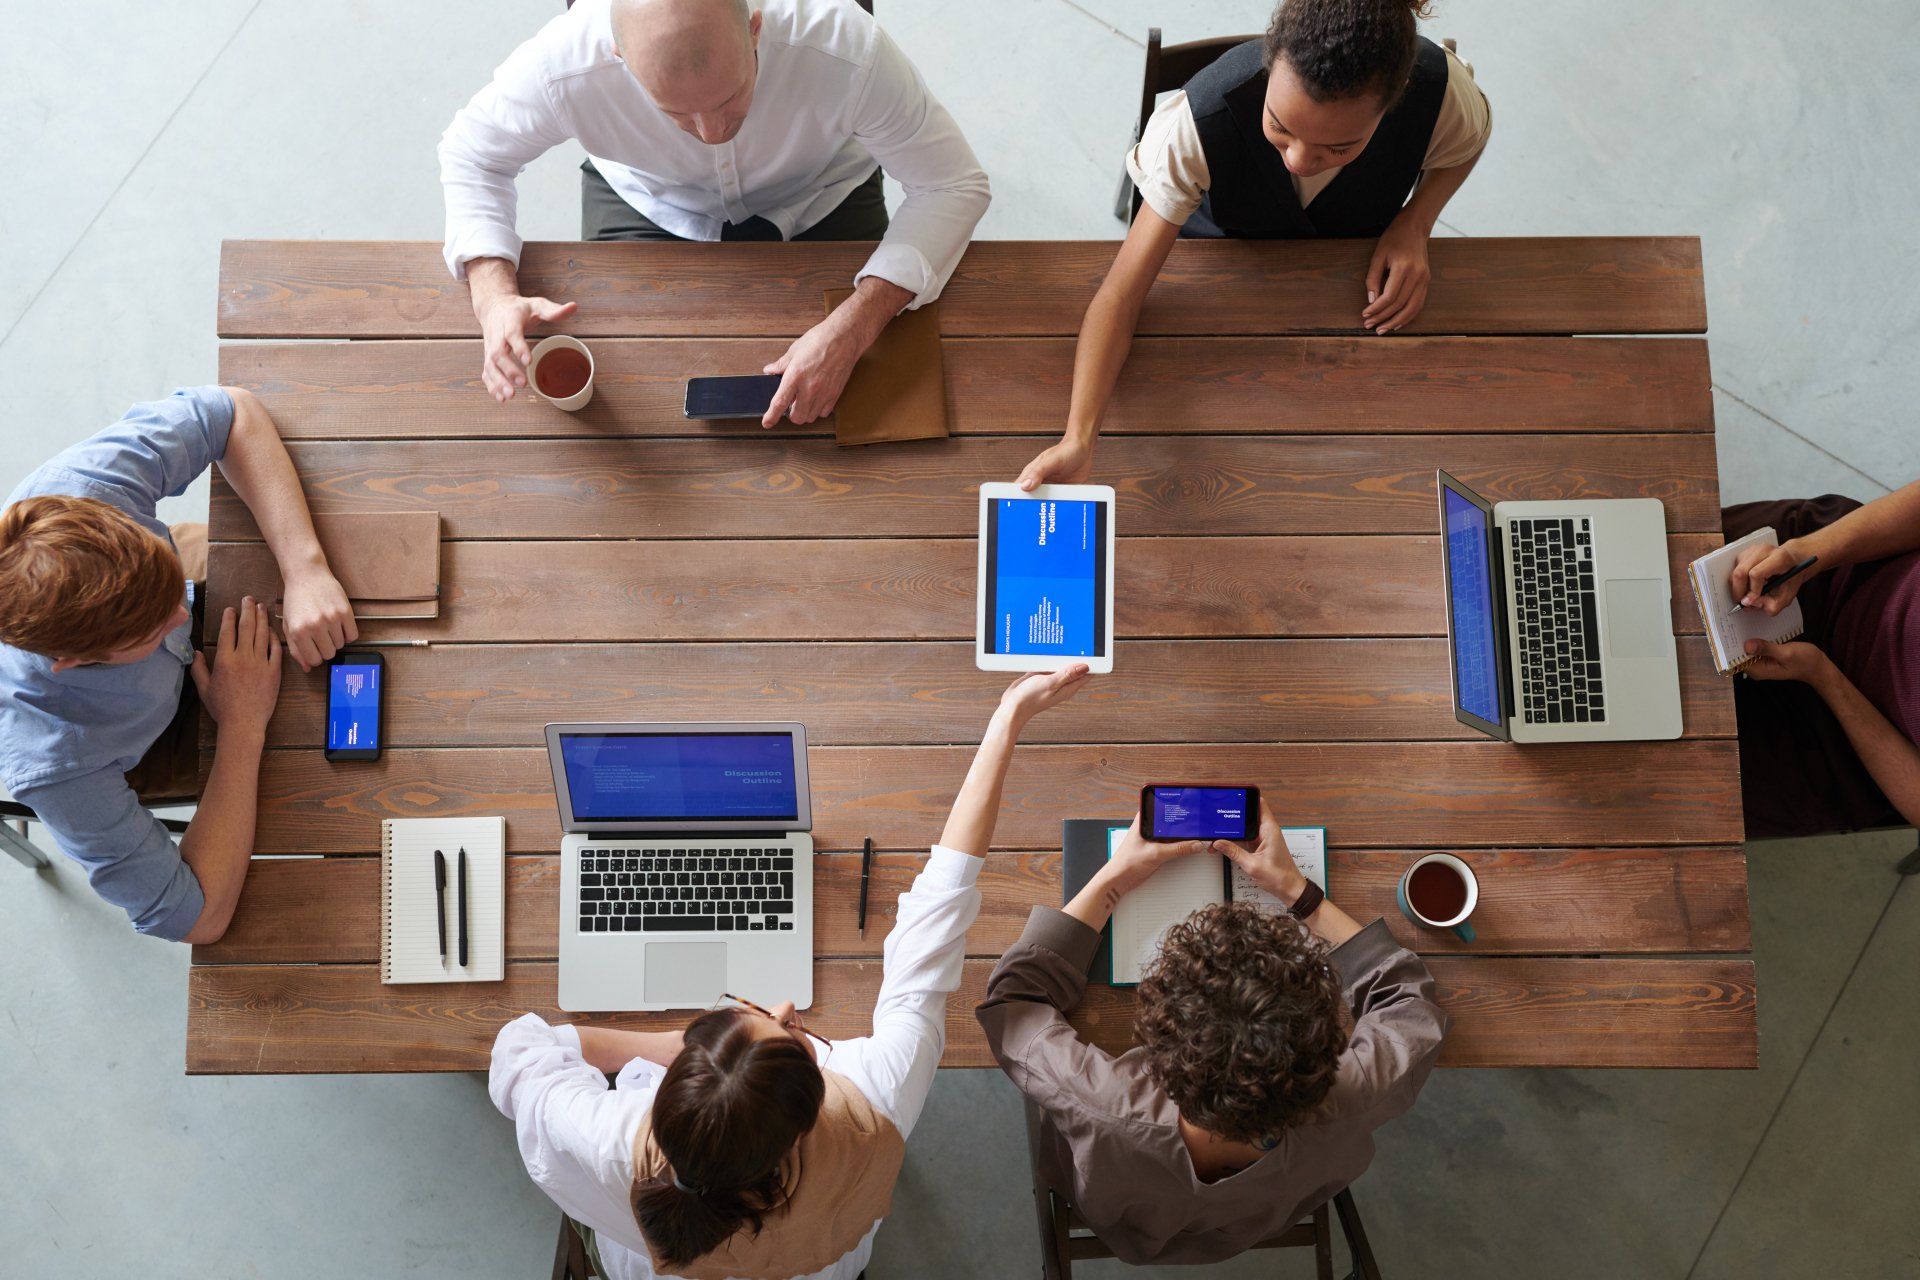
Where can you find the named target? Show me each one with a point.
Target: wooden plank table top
(1278, 602)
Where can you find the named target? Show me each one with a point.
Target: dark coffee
(1437, 891)
(562, 371)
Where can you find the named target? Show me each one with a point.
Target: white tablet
(1046, 578)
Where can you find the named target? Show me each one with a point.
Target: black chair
(24, 851)
(1167, 69)
(1061, 1247)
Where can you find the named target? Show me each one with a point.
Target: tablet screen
(1047, 577)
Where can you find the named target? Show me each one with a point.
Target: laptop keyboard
(630, 890)
(1551, 564)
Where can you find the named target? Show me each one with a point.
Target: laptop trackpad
(1639, 621)
(690, 975)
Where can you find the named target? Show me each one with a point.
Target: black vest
(1252, 195)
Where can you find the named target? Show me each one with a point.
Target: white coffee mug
(578, 400)
(1458, 921)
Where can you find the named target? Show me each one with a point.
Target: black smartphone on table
(1169, 813)
(733, 397)
(356, 704)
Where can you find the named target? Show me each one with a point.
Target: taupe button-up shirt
(1112, 1142)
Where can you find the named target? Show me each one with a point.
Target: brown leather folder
(388, 563)
(898, 390)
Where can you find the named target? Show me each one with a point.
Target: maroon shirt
(1799, 775)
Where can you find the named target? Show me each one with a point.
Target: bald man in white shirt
(716, 120)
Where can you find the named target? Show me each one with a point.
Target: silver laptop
(1559, 617)
(687, 870)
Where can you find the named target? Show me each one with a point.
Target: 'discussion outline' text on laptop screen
(680, 777)
(1046, 577)
(1476, 663)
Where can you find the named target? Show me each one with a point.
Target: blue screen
(353, 707)
(1047, 577)
(680, 777)
(1476, 657)
(1200, 813)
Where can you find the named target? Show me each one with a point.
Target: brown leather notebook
(388, 563)
(898, 390)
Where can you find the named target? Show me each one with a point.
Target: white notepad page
(410, 940)
(1727, 629)
(1308, 845)
(1183, 886)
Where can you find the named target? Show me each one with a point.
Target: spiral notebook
(410, 905)
(1728, 630)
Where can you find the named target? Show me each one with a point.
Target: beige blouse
(1170, 168)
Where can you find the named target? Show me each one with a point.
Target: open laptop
(1559, 617)
(686, 871)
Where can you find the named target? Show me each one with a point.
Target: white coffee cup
(1470, 883)
(560, 341)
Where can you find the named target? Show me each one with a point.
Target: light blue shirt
(67, 740)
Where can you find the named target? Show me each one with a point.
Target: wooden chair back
(1066, 1239)
(1167, 68)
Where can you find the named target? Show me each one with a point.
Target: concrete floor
(133, 139)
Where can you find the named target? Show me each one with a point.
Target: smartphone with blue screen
(356, 702)
(1199, 813)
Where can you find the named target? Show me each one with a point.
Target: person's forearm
(1093, 905)
(1887, 526)
(1332, 924)
(218, 844)
(969, 826)
(1436, 188)
(609, 1050)
(874, 304)
(257, 466)
(1893, 761)
(489, 280)
(1106, 339)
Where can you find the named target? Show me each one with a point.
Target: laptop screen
(684, 779)
(1476, 650)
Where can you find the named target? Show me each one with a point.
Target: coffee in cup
(1440, 892)
(561, 369)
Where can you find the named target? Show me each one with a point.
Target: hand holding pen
(1768, 578)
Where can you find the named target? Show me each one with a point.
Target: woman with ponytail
(744, 1146)
(1342, 121)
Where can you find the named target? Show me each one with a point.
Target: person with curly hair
(1343, 120)
(1270, 1049)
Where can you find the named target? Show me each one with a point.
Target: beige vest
(842, 1172)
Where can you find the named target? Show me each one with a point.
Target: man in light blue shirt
(96, 644)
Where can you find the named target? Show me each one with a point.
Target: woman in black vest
(1342, 121)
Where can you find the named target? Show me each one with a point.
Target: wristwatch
(1308, 902)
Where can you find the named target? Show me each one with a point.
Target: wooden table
(1279, 595)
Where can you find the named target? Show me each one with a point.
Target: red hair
(82, 579)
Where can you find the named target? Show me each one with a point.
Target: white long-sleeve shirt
(833, 95)
(576, 1135)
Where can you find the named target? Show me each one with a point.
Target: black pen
(463, 907)
(1767, 590)
(440, 899)
(866, 874)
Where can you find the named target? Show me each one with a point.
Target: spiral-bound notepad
(1729, 629)
(409, 904)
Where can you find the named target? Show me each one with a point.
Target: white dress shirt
(834, 95)
(576, 1135)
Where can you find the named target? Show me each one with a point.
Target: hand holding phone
(356, 701)
(1170, 813)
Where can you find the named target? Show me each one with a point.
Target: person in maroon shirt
(1829, 723)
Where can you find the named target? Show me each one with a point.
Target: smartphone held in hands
(1172, 813)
